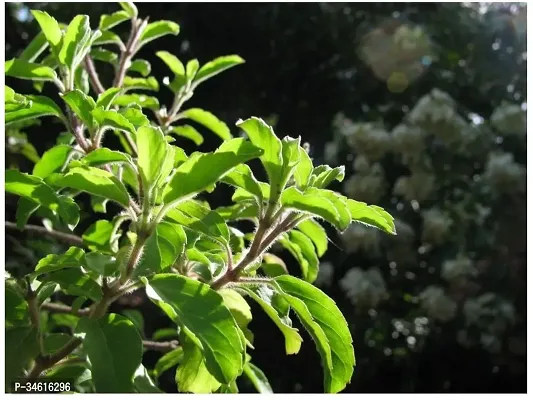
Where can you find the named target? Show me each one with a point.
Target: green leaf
(77, 34)
(172, 240)
(142, 383)
(158, 29)
(108, 37)
(50, 28)
(240, 310)
(21, 346)
(104, 55)
(25, 208)
(266, 298)
(204, 319)
(191, 69)
(190, 133)
(106, 99)
(216, 66)
(141, 66)
(149, 83)
(135, 116)
(243, 177)
(326, 325)
(373, 216)
(114, 349)
(149, 102)
(137, 318)
(175, 65)
(192, 375)
(273, 266)
(316, 233)
(52, 161)
(46, 290)
(151, 262)
(72, 258)
(208, 120)
(35, 48)
(320, 203)
(97, 182)
(301, 247)
(102, 264)
(303, 170)
(197, 173)
(16, 307)
(82, 105)
(69, 211)
(327, 175)
(55, 341)
(98, 236)
(81, 80)
(130, 8)
(263, 136)
(258, 378)
(103, 156)
(21, 69)
(109, 21)
(40, 106)
(195, 217)
(32, 188)
(76, 282)
(112, 119)
(152, 150)
(168, 361)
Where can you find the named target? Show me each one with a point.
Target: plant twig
(160, 346)
(93, 75)
(64, 309)
(65, 237)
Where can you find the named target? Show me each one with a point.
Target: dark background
(302, 68)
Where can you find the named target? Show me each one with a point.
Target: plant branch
(136, 30)
(160, 346)
(93, 75)
(64, 309)
(65, 237)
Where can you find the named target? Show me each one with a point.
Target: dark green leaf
(149, 102)
(197, 173)
(142, 383)
(106, 99)
(82, 105)
(208, 120)
(55, 341)
(243, 177)
(32, 188)
(135, 117)
(328, 328)
(16, 307)
(240, 310)
(104, 55)
(137, 318)
(69, 211)
(108, 37)
(25, 208)
(114, 349)
(205, 319)
(21, 347)
(216, 66)
(73, 257)
(102, 264)
(301, 247)
(75, 282)
(96, 181)
(46, 290)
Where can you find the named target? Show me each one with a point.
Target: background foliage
(398, 90)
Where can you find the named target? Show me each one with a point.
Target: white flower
(368, 139)
(437, 304)
(331, 152)
(361, 164)
(409, 141)
(436, 226)
(364, 288)
(489, 312)
(368, 186)
(419, 186)
(503, 174)
(360, 237)
(459, 268)
(509, 119)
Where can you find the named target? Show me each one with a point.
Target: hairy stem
(93, 75)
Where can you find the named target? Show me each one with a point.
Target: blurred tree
(374, 63)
